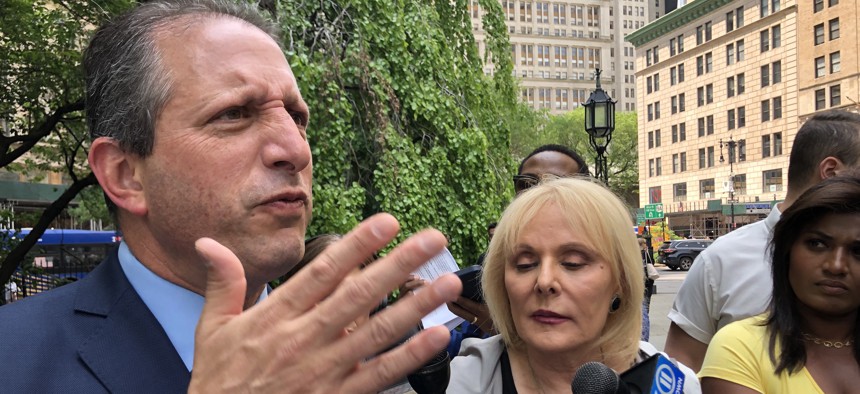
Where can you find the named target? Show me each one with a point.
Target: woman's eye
(572, 265)
(815, 243)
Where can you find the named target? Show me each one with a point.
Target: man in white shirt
(731, 279)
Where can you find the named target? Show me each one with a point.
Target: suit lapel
(129, 351)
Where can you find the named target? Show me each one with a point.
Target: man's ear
(830, 167)
(118, 173)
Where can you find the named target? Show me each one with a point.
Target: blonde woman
(564, 284)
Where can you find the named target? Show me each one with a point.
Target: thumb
(225, 286)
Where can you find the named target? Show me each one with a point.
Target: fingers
(359, 293)
(225, 285)
(393, 322)
(322, 276)
(386, 369)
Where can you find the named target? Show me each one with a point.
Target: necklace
(826, 343)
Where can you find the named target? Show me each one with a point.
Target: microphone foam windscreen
(595, 378)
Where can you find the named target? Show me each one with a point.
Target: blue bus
(60, 256)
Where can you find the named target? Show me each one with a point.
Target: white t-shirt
(8, 290)
(729, 281)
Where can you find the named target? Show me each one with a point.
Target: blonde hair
(605, 222)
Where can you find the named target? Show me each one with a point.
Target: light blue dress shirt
(177, 309)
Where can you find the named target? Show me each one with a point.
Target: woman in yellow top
(807, 340)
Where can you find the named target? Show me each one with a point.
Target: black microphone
(595, 378)
(654, 374)
(434, 376)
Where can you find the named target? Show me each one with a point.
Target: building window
(817, 5)
(656, 82)
(681, 102)
(709, 62)
(657, 110)
(819, 34)
(655, 195)
(741, 80)
(820, 99)
(730, 21)
(679, 192)
(765, 110)
(819, 67)
(681, 43)
(777, 71)
(683, 161)
(709, 93)
(700, 65)
(701, 158)
(659, 166)
(657, 139)
(730, 54)
(701, 124)
(739, 184)
(771, 181)
(765, 146)
(710, 121)
(742, 116)
(832, 3)
(777, 107)
(777, 144)
(763, 8)
(835, 95)
(650, 139)
(700, 96)
(681, 72)
(682, 131)
(764, 40)
(730, 117)
(710, 156)
(739, 48)
(835, 62)
(706, 188)
(765, 75)
(650, 112)
(673, 76)
(650, 168)
(742, 150)
(834, 28)
(739, 17)
(730, 87)
(776, 36)
(674, 134)
(676, 163)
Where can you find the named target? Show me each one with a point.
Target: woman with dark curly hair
(807, 340)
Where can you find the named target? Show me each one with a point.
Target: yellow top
(738, 354)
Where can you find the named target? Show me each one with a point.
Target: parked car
(680, 253)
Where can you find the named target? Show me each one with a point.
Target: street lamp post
(731, 145)
(599, 123)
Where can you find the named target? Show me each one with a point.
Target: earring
(615, 304)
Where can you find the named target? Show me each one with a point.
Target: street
(661, 302)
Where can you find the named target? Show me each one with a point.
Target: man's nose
(286, 146)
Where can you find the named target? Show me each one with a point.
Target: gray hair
(127, 84)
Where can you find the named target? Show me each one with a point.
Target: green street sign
(640, 218)
(653, 211)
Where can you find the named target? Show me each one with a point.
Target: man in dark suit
(199, 143)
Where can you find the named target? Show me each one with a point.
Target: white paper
(437, 266)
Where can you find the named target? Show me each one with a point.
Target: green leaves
(403, 118)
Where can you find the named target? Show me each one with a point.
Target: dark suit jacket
(92, 336)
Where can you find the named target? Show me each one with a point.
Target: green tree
(404, 120)
(41, 98)
(569, 129)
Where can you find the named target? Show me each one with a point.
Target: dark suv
(680, 253)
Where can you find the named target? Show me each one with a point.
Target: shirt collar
(177, 309)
